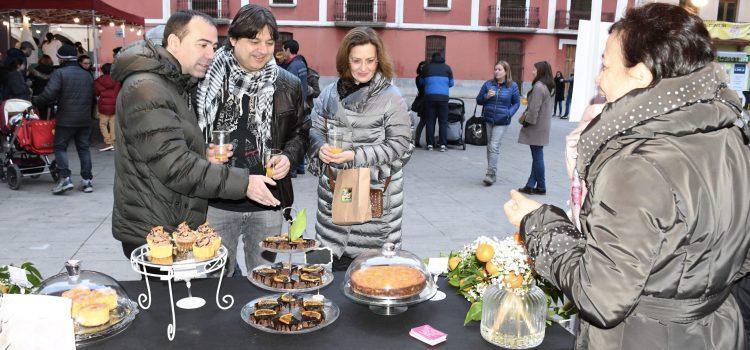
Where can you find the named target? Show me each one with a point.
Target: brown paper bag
(351, 197)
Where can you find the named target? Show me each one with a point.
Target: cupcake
(184, 237)
(207, 231)
(159, 246)
(203, 248)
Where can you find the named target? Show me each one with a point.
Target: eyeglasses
(357, 62)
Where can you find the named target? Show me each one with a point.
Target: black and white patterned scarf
(220, 95)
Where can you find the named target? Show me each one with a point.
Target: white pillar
(551, 8)
(322, 10)
(474, 13)
(622, 6)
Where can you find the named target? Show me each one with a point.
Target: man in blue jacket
(437, 80)
(297, 65)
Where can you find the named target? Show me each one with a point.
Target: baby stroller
(27, 143)
(456, 111)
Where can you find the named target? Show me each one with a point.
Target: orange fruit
(484, 252)
(513, 280)
(491, 268)
(453, 262)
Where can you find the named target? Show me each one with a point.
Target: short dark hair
(668, 39)
(178, 21)
(250, 20)
(50, 36)
(46, 60)
(15, 63)
(292, 45)
(436, 56)
(106, 68)
(116, 50)
(26, 45)
(83, 57)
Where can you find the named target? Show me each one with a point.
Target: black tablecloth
(210, 328)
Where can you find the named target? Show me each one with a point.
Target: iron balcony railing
(364, 11)
(569, 19)
(217, 9)
(517, 17)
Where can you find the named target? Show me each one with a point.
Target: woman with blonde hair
(500, 99)
(374, 122)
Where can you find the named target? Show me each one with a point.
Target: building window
(433, 44)
(437, 5)
(282, 3)
(727, 10)
(511, 51)
(283, 36)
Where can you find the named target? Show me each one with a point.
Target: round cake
(391, 281)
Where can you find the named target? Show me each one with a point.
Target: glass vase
(514, 318)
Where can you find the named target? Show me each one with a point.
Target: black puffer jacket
(73, 89)
(161, 174)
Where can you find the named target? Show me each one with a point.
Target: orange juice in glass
(336, 141)
(524, 101)
(220, 138)
(268, 155)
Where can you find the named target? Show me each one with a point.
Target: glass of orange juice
(336, 141)
(268, 154)
(220, 138)
(524, 101)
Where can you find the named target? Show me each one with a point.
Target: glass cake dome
(100, 306)
(388, 278)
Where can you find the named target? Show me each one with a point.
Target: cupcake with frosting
(159, 246)
(184, 237)
(203, 248)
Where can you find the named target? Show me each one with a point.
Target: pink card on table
(428, 335)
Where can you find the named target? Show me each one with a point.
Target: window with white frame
(437, 5)
(282, 3)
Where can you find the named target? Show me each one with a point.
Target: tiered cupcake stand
(180, 271)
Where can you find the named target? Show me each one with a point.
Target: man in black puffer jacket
(73, 89)
(162, 173)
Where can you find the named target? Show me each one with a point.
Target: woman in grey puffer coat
(373, 117)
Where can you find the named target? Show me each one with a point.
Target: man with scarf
(262, 108)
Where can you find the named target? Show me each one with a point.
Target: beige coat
(538, 117)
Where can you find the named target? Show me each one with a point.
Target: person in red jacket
(107, 90)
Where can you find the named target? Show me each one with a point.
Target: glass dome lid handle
(389, 249)
(74, 269)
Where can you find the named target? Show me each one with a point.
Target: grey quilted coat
(664, 226)
(376, 126)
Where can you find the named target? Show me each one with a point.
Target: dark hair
(178, 21)
(45, 60)
(26, 45)
(250, 20)
(106, 68)
(49, 37)
(78, 43)
(435, 56)
(668, 39)
(420, 67)
(558, 74)
(544, 74)
(83, 57)
(292, 45)
(362, 36)
(15, 63)
(116, 50)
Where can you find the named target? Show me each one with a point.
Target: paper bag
(351, 197)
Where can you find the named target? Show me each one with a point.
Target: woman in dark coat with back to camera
(664, 223)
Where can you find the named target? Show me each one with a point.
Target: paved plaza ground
(446, 206)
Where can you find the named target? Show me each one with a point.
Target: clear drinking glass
(268, 154)
(514, 319)
(336, 141)
(220, 138)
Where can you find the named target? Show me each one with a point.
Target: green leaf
(474, 314)
(298, 225)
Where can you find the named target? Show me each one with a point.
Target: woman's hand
(519, 206)
(328, 157)
(490, 94)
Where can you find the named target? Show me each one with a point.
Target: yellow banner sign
(728, 30)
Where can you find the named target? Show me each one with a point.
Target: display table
(210, 328)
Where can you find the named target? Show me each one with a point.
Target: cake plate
(325, 280)
(184, 270)
(330, 310)
(390, 306)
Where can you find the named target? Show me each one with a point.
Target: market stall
(92, 14)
